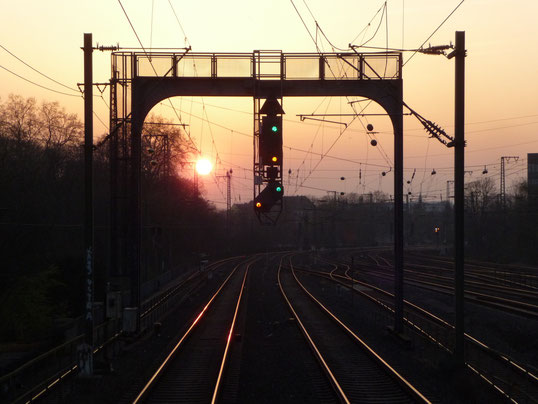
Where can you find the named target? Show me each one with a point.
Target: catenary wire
(39, 85)
(155, 71)
(217, 156)
(330, 68)
(384, 7)
(433, 33)
(370, 22)
(37, 71)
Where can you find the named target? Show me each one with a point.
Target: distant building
(532, 176)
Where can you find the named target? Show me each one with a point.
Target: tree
(28, 307)
(18, 119)
(480, 195)
(164, 147)
(58, 128)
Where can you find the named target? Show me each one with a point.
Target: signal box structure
(140, 80)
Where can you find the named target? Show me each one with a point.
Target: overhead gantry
(140, 80)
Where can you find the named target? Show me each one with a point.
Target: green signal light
(279, 189)
(274, 128)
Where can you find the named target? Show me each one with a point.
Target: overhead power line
(383, 154)
(369, 23)
(39, 85)
(379, 25)
(155, 71)
(36, 70)
(186, 40)
(434, 31)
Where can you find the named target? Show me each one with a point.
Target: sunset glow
(203, 166)
(499, 120)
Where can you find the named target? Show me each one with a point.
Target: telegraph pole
(85, 352)
(504, 160)
(459, 173)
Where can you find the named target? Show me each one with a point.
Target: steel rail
(516, 306)
(384, 364)
(319, 357)
(483, 271)
(482, 346)
(71, 369)
(420, 330)
(479, 264)
(228, 341)
(493, 282)
(440, 321)
(162, 367)
(166, 294)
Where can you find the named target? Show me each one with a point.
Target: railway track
(505, 277)
(511, 379)
(356, 371)
(242, 345)
(193, 370)
(518, 300)
(153, 309)
(503, 272)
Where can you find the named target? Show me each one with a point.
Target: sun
(203, 166)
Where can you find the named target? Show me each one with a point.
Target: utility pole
(459, 174)
(448, 182)
(85, 352)
(398, 219)
(228, 199)
(504, 160)
(228, 177)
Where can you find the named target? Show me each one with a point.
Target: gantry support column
(459, 173)
(85, 353)
(396, 114)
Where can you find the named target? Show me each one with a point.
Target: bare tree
(480, 195)
(58, 128)
(19, 120)
(163, 146)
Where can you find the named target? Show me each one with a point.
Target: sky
(323, 157)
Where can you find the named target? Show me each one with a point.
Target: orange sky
(501, 88)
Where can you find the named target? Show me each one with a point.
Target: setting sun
(203, 166)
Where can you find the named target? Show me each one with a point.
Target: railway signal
(271, 141)
(271, 194)
(269, 161)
